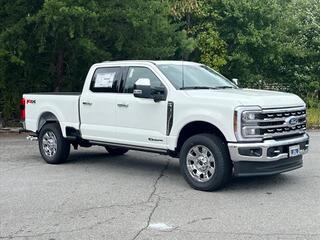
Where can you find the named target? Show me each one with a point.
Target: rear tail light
(22, 109)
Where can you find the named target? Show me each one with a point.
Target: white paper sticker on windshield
(104, 80)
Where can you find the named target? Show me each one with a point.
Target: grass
(313, 115)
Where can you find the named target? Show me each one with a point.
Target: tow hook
(32, 138)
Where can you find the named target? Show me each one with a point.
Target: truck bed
(56, 93)
(63, 105)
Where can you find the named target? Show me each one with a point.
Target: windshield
(194, 77)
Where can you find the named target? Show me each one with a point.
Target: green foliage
(211, 47)
(48, 45)
(303, 47)
(313, 116)
(198, 20)
(250, 30)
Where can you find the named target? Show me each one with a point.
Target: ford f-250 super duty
(182, 109)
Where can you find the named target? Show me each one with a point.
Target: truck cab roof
(155, 62)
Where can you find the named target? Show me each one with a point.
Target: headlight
(249, 115)
(246, 123)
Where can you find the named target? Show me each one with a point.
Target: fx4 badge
(29, 101)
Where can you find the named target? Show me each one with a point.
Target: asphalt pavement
(143, 196)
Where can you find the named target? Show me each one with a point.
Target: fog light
(274, 151)
(252, 152)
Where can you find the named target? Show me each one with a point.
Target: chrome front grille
(273, 123)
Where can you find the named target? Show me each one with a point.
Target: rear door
(98, 105)
(140, 122)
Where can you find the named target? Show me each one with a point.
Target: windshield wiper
(196, 87)
(223, 87)
(204, 87)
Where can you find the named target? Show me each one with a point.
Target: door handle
(122, 105)
(87, 103)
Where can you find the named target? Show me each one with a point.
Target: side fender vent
(170, 109)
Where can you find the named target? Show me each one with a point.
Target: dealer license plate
(294, 151)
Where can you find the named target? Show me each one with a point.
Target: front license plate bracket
(294, 150)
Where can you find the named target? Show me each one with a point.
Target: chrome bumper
(264, 146)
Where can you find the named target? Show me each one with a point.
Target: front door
(141, 122)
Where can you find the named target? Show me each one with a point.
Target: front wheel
(205, 163)
(53, 147)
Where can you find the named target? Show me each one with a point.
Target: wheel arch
(47, 117)
(197, 127)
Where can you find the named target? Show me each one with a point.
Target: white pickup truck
(182, 109)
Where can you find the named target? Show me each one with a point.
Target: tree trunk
(60, 70)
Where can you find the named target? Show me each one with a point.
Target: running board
(131, 147)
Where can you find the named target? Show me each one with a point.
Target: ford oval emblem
(292, 120)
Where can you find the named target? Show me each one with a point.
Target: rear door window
(106, 79)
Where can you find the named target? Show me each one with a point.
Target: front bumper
(267, 151)
(245, 169)
(268, 157)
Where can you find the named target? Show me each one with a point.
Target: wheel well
(197, 127)
(45, 118)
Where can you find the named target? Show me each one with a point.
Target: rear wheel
(205, 162)
(53, 147)
(115, 151)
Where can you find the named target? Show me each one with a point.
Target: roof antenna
(182, 73)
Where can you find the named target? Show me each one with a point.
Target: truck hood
(249, 97)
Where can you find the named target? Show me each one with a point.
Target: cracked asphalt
(143, 196)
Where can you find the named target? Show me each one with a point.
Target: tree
(302, 47)
(49, 45)
(198, 20)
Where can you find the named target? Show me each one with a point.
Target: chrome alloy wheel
(49, 144)
(200, 163)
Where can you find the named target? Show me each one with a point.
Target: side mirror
(235, 81)
(142, 88)
(159, 94)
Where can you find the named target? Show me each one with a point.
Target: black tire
(116, 151)
(222, 163)
(62, 145)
